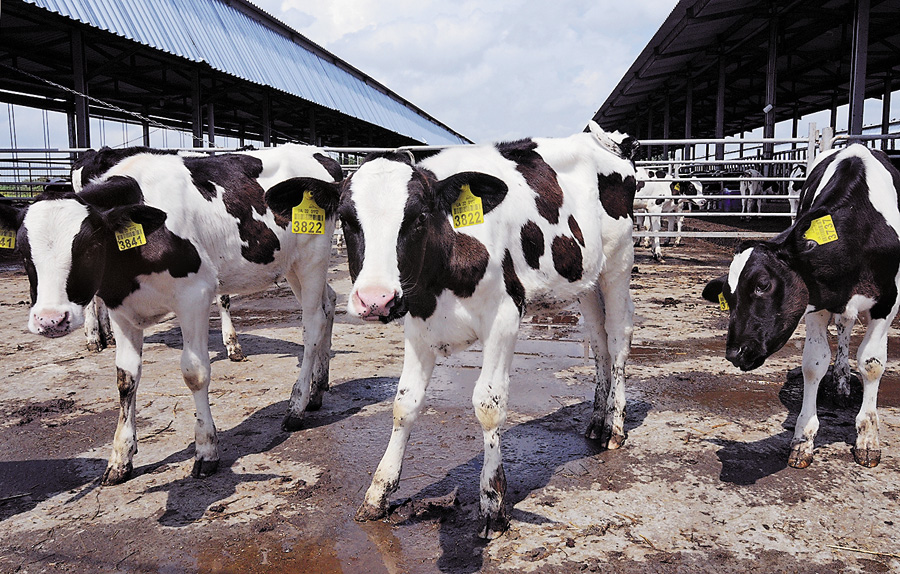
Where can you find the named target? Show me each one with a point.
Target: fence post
(811, 146)
(827, 139)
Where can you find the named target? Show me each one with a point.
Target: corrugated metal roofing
(232, 42)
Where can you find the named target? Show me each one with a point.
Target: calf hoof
(237, 355)
(204, 468)
(315, 403)
(113, 476)
(368, 512)
(95, 346)
(867, 457)
(291, 423)
(800, 459)
(615, 441)
(494, 527)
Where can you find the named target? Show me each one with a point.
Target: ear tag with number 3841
(130, 236)
(7, 238)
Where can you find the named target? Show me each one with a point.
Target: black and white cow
(97, 330)
(555, 225)
(840, 258)
(207, 231)
(798, 175)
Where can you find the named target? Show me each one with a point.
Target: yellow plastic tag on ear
(308, 217)
(723, 304)
(821, 230)
(467, 210)
(130, 236)
(7, 238)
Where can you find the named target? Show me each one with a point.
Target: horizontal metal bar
(724, 141)
(704, 234)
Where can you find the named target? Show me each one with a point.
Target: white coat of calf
(207, 231)
(554, 226)
(656, 198)
(751, 191)
(840, 259)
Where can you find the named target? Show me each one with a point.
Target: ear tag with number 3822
(130, 236)
(308, 217)
(467, 209)
(7, 238)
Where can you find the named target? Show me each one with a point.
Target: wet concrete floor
(700, 486)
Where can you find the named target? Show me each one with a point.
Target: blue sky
(492, 71)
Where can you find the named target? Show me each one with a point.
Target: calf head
(396, 222)
(766, 297)
(65, 240)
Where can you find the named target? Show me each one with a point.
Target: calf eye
(762, 288)
(420, 220)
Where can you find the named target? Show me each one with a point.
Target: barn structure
(716, 68)
(208, 67)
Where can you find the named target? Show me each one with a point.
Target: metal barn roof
(813, 40)
(238, 39)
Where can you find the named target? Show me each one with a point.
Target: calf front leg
(490, 400)
(816, 357)
(128, 375)
(871, 359)
(418, 364)
(195, 370)
(317, 301)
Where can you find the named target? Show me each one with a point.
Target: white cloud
(490, 71)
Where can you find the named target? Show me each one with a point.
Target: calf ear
(284, 196)
(150, 218)
(118, 190)
(714, 288)
(11, 216)
(795, 242)
(490, 189)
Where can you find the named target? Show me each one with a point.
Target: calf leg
(130, 341)
(871, 359)
(195, 370)
(655, 227)
(490, 401)
(418, 363)
(609, 319)
(317, 300)
(841, 372)
(229, 335)
(97, 329)
(679, 221)
(816, 357)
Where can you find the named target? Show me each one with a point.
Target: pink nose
(52, 323)
(375, 302)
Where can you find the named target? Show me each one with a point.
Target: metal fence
(720, 170)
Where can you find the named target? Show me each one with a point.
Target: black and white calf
(656, 197)
(554, 225)
(207, 230)
(840, 258)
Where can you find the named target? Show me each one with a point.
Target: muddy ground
(700, 486)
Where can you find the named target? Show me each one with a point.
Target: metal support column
(266, 120)
(771, 80)
(858, 66)
(82, 123)
(688, 112)
(196, 115)
(667, 120)
(720, 108)
(886, 109)
(211, 123)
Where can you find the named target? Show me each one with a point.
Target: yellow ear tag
(821, 230)
(7, 238)
(467, 209)
(130, 236)
(308, 217)
(723, 304)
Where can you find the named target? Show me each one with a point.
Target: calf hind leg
(871, 359)
(229, 335)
